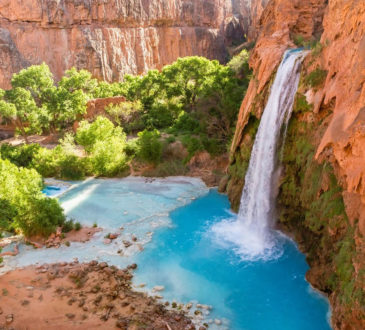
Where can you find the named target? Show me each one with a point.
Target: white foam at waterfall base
(233, 234)
(251, 234)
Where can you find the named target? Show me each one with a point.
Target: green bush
(46, 162)
(72, 167)
(171, 139)
(68, 226)
(298, 40)
(239, 64)
(28, 210)
(192, 144)
(150, 147)
(89, 133)
(60, 163)
(128, 115)
(105, 145)
(186, 123)
(8, 212)
(107, 157)
(301, 104)
(20, 155)
(160, 115)
(315, 78)
(213, 146)
(132, 147)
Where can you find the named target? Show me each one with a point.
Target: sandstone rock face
(344, 59)
(256, 11)
(341, 25)
(280, 20)
(111, 38)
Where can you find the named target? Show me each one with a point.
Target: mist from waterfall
(251, 233)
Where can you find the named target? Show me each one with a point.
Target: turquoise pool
(176, 248)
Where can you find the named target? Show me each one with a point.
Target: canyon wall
(322, 189)
(111, 38)
(279, 22)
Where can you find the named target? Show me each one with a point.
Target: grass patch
(316, 78)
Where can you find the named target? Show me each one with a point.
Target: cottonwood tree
(36, 104)
(19, 107)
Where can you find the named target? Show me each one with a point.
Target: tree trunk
(24, 134)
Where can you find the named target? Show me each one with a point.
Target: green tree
(127, 114)
(18, 106)
(105, 89)
(67, 102)
(37, 79)
(188, 78)
(82, 80)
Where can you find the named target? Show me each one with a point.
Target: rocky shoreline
(81, 296)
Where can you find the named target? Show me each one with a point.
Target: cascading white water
(250, 232)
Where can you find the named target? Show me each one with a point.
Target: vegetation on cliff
(311, 206)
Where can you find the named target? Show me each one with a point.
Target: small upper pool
(171, 220)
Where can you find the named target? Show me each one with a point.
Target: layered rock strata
(111, 38)
(330, 104)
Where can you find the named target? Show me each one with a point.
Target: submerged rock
(158, 288)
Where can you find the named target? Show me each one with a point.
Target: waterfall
(251, 232)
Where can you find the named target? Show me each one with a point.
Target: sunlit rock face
(344, 59)
(340, 98)
(111, 38)
(278, 23)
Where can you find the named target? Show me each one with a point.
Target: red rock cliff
(340, 24)
(111, 38)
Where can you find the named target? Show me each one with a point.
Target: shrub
(171, 139)
(150, 147)
(72, 167)
(107, 157)
(127, 114)
(8, 212)
(105, 145)
(160, 115)
(32, 212)
(20, 155)
(132, 147)
(301, 104)
(315, 78)
(192, 144)
(213, 146)
(89, 133)
(299, 40)
(77, 226)
(186, 123)
(60, 163)
(68, 226)
(239, 64)
(46, 162)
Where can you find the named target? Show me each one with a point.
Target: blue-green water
(252, 295)
(176, 248)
